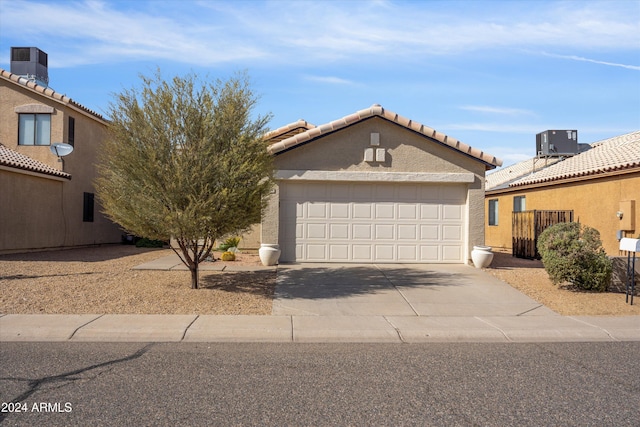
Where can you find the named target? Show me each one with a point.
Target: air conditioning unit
(31, 63)
(557, 143)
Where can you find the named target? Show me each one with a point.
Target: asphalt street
(434, 384)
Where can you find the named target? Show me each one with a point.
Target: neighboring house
(46, 202)
(601, 186)
(374, 187)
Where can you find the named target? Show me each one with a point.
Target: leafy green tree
(185, 159)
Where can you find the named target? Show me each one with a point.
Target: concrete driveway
(397, 290)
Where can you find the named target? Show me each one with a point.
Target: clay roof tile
(377, 110)
(13, 159)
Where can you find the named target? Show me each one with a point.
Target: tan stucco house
(374, 187)
(46, 202)
(601, 186)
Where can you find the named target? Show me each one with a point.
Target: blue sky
(489, 73)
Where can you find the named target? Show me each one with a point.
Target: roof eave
(51, 94)
(63, 176)
(561, 181)
(376, 110)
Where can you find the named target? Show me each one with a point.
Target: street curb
(299, 329)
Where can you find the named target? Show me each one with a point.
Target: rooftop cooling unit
(557, 143)
(31, 63)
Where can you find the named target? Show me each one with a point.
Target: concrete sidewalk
(288, 328)
(346, 303)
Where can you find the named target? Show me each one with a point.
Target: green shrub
(148, 243)
(573, 253)
(231, 242)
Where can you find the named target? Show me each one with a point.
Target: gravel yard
(101, 280)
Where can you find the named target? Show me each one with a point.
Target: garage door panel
(316, 231)
(385, 210)
(316, 252)
(407, 232)
(381, 222)
(339, 231)
(451, 213)
(385, 231)
(408, 211)
(316, 191)
(430, 232)
(361, 191)
(407, 192)
(429, 253)
(340, 192)
(362, 231)
(362, 211)
(317, 210)
(451, 253)
(429, 211)
(452, 232)
(430, 193)
(384, 192)
(339, 210)
(384, 253)
(407, 253)
(362, 253)
(453, 193)
(339, 252)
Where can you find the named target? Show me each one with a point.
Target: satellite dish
(61, 149)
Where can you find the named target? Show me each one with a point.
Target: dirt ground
(530, 278)
(101, 280)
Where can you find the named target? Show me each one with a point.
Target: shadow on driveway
(395, 290)
(321, 281)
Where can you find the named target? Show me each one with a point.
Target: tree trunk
(194, 275)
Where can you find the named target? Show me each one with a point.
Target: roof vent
(557, 143)
(30, 63)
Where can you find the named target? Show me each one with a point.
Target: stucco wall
(406, 151)
(594, 202)
(34, 210)
(26, 219)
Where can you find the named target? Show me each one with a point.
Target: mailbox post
(630, 245)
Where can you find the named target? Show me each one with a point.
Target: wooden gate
(527, 227)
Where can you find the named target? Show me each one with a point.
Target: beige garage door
(372, 222)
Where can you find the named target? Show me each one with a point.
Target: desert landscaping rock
(101, 280)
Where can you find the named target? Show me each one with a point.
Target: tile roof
(377, 111)
(13, 159)
(609, 155)
(47, 91)
(288, 131)
(502, 178)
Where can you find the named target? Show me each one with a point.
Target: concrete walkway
(348, 303)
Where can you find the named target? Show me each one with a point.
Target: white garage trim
(377, 222)
(319, 175)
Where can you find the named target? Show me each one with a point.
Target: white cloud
(329, 79)
(595, 61)
(209, 33)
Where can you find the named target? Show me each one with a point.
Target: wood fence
(527, 227)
